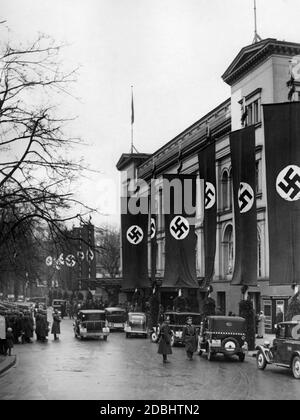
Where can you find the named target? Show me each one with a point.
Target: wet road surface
(131, 369)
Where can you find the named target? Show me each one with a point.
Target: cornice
(189, 142)
(268, 47)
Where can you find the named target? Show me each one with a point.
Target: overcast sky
(172, 51)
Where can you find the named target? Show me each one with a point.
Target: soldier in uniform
(189, 337)
(164, 340)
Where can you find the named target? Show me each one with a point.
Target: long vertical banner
(282, 150)
(134, 234)
(207, 170)
(153, 230)
(179, 198)
(242, 147)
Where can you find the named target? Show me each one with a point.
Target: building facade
(257, 76)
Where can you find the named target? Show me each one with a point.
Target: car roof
(115, 309)
(137, 313)
(182, 313)
(92, 311)
(225, 318)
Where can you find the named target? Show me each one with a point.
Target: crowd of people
(18, 327)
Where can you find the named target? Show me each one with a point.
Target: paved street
(131, 369)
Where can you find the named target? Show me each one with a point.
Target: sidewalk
(6, 362)
(260, 341)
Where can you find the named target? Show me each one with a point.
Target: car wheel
(261, 360)
(242, 357)
(296, 367)
(210, 355)
(153, 337)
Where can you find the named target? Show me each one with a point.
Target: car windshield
(93, 316)
(117, 312)
(137, 319)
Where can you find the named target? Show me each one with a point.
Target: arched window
(224, 186)
(228, 251)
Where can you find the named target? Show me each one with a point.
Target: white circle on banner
(152, 228)
(49, 261)
(245, 197)
(135, 235)
(179, 228)
(209, 195)
(288, 183)
(89, 254)
(70, 260)
(80, 255)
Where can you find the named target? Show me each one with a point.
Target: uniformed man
(189, 337)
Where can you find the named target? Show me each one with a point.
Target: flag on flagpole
(244, 113)
(132, 108)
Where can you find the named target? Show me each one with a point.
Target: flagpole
(132, 120)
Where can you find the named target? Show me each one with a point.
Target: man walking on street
(189, 337)
(164, 342)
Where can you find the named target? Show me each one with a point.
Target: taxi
(223, 334)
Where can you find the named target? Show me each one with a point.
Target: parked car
(116, 318)
(60, 306)
(91, 323)
(223, 334)
(285, 349)
(136, 324)
(41, 301)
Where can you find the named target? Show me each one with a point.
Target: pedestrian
(9, 340)
(189, 337)
(164, 341)
(261, 325)
(56, 325)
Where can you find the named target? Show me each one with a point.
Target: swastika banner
(242, 148)
(153, 235)
(180, 243)
(282, 149)
(134, 233)
(207, 170)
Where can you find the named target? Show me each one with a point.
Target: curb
(7, 364)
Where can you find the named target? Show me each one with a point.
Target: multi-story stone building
(258, 75)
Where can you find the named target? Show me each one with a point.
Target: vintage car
(136, 324)
(223, 334)
(60, 306)
(91, 323)
(116, 318)
(177, 322)
(285, 350)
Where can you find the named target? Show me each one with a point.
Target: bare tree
(108, 251)
(36, 172)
